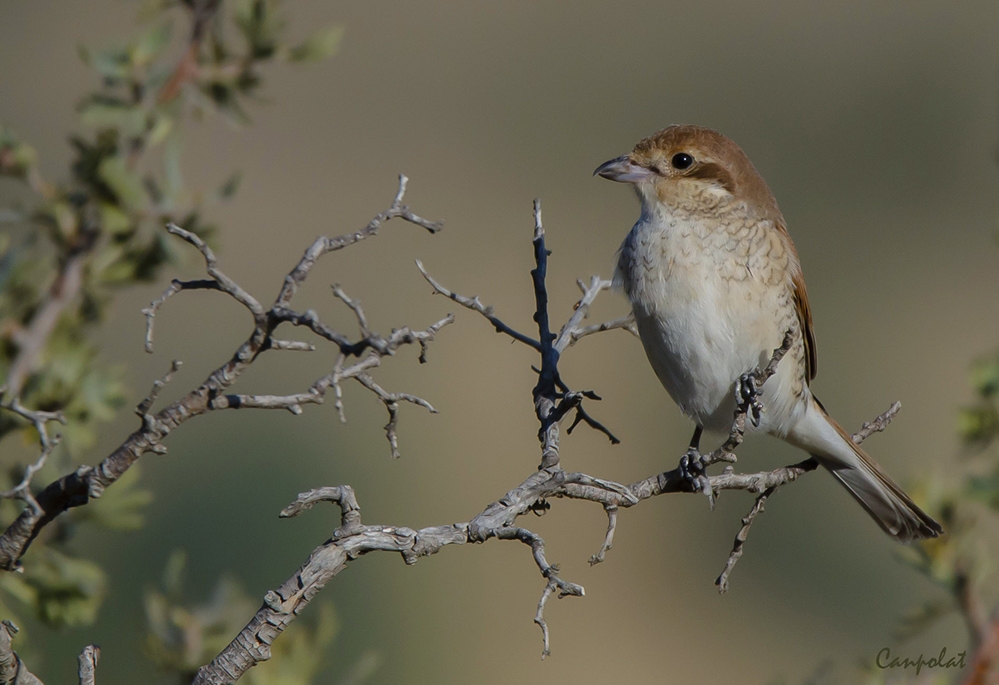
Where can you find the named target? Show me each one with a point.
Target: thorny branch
(356, 358)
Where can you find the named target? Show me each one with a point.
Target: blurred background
(875, 124)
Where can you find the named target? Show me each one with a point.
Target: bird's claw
(692, 470)
(747, 396)
(691, 464)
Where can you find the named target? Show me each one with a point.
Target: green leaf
(16, 158)
(128, 119)
(182, 638)
(124, 183)
(173, 574)
(61, 590)
(151, 43)
(922, 617)
(985, 489)
(985, 377)
(978, 426)
(148, 258)
(114, 64)
(321, 45)
(260, 24)
(63, 218)
(114, 221)
(118, 270)
(160, 129)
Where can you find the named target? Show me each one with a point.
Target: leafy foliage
(60, 589)
(100, 229)
(183, 638)
(961, 560)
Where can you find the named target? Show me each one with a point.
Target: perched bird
(715, 284)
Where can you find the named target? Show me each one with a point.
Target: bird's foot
(692, 470)
(747, 396)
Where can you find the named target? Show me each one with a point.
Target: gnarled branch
(554, 401)
(76, 489)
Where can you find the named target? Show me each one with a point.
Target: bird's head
(691, 168)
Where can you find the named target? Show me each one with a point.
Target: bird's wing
(800, 296)
(804, 321)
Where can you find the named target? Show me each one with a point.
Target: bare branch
(569, 333)
(343, 496)
(877, 425)
(143, 408)
(40, 420)
(352, 539)
(539, 618)
(553, 400)
(292, 403)
(12, 669)
(740, 538)
(583, 417)
(334, 381)
(391, 401)
(608, 537)
(283, 605)
(354, 306)
(767, 484)
(325, 245)
(292, 345)
(549, 383)
(625, 322)
(76, 489)
(476, 306)
(553, 584)
(88, 664)
(310, 319)
(226, 284)
(171, 290)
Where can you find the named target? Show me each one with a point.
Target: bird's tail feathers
(863, 478)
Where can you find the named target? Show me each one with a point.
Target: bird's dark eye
(681, 160)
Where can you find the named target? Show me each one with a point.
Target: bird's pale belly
(694, 346)
(702, 330)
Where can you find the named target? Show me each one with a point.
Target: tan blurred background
(874, 123)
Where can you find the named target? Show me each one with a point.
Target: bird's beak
(623, 170)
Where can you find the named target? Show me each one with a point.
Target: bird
(715, 284)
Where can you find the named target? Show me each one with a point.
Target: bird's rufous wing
(801, 308)
(805, 322)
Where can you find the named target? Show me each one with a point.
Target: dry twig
(553, 402)
(77, 488)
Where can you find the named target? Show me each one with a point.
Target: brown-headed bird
(715, 284)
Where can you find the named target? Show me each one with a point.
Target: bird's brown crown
(710, 157)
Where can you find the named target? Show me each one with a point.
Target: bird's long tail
(876, 492)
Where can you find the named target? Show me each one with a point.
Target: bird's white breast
(703, 309)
